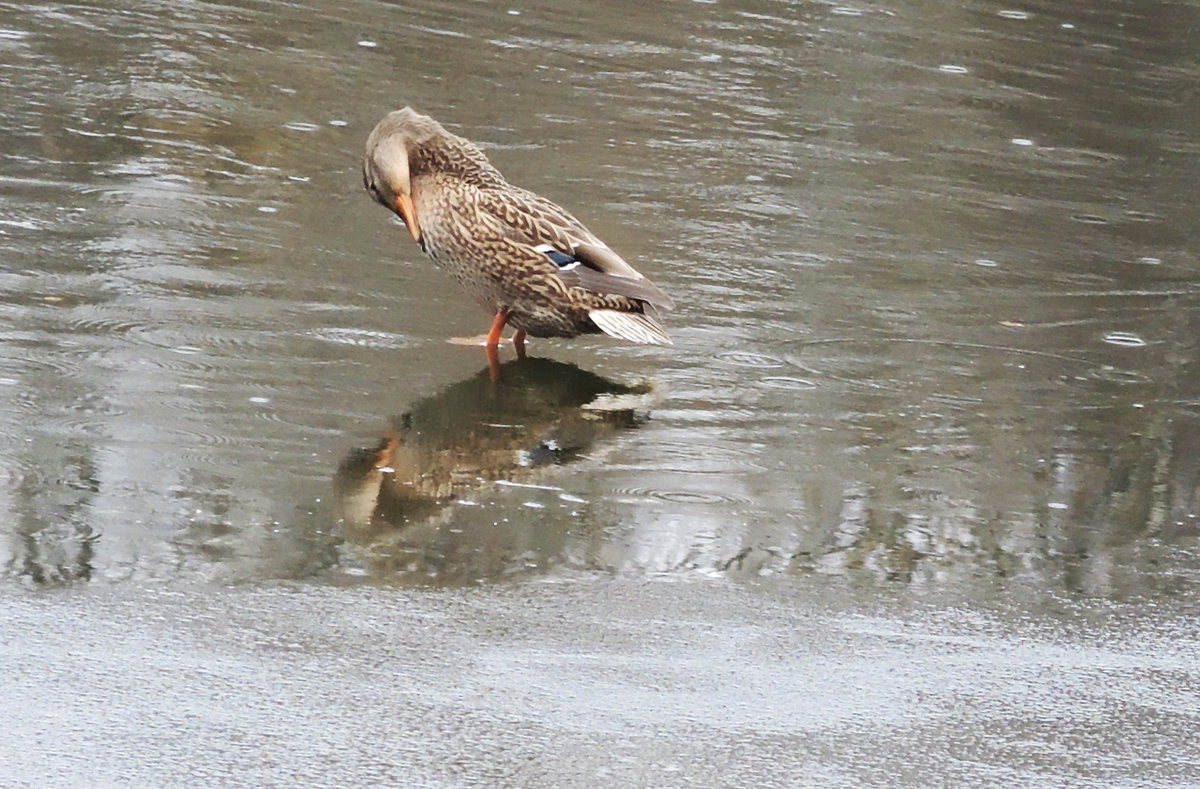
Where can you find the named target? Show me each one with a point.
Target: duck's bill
(404, 207)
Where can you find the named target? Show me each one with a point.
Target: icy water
(912, 500)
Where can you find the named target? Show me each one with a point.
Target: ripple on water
(90, 417)
(707, 458)
(700, 497)
(203, 341)
(749, 359)
(28, 354)
(19, 470)
(1124, 339)
(1078, 157)
(954, 372)
(788, 383)
(100, 320)
(1115, 375)
(363, 338)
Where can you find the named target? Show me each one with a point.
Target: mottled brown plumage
(516, 253)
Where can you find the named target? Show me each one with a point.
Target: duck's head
(387, 163)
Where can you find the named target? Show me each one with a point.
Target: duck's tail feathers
(631, 326)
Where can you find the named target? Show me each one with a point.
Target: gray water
(912, 500)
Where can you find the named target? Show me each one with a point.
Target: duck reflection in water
(397, 501)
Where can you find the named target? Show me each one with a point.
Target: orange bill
(407, 212)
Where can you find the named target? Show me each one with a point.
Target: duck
(526, 260)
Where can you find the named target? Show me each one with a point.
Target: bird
(525, 259)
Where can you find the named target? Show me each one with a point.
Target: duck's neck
(459, 158)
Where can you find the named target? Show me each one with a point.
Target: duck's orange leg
(491, 344)
(493, 337)
(518, 342)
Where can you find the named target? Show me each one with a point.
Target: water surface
(938, 304)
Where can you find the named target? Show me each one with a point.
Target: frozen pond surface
(912, 501)
(588, 682)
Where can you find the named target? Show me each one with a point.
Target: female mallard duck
(525, 259)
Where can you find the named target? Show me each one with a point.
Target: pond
(912, 499)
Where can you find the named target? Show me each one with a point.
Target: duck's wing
(583, 260)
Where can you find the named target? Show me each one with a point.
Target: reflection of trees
(1066, 460)
(401, 502)
(127, 170)
(53, 539)
(1064, 471)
